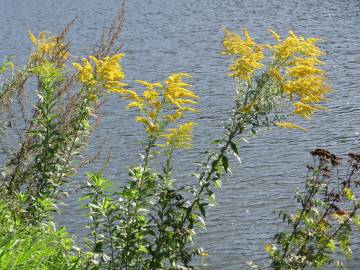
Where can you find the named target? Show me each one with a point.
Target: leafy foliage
(151, 222)
(325, 219)
(34, 247)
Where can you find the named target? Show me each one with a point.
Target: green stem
(156, 258)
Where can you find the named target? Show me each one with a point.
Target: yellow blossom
(294, 45)
(193, 110)
(295, 69)
(173, 117)
(307, 86)
(269, 248)
(48, 47)
(309, 61)
(297, 72)
(152, 115)
(134, 104)
(131, 95)
(159, 103)
(289, 125)
(109, 68)
(106, 73)
(305, 110)
(275, 35)
(142, 120)
(85, 72)
(149, 85)
(248, 53)
(151, 95)
(275, 74)
(32, 38)
(300, 70)
(179, 137)
(248, 108)
(203, 254)
(177, 93)
(109, 71)
(150, 126)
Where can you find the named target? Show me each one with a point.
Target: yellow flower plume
(294, 45)
(106, 73)
(161, 103)
(248, 54)
(296, 71)
(85, 72)
(180, 137)
(48, 47)
(289, 125)
(275, 35)
(177, 92)
(294, 68)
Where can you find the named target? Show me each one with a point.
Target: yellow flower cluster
(50, 47)
(177, 94)
(85, 72)
(151, 98)
(149, 104)
(179, 137)
(249, 54)
(302, 80)
(109, 72)
(294, 68)
(294, 45)
(161, 103)
(106, 73)
(48, 70)
(289, 125)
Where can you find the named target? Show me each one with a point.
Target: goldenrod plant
(326, 217)
(46, 117)
(29, 247)
(152, 220)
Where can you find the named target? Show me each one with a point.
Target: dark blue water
(171, 36)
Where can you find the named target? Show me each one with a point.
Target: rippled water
(169, 36)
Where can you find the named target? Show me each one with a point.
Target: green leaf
(356, 221)
(143, 249)
(331, 245)
(216, 142)
(214, 165)
(212, 199)
(202, 209)
(349, 194)
(201, 224)
(217, 183)
(234, 148)
(225, 162)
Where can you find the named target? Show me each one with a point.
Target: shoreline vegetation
(152, 220)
